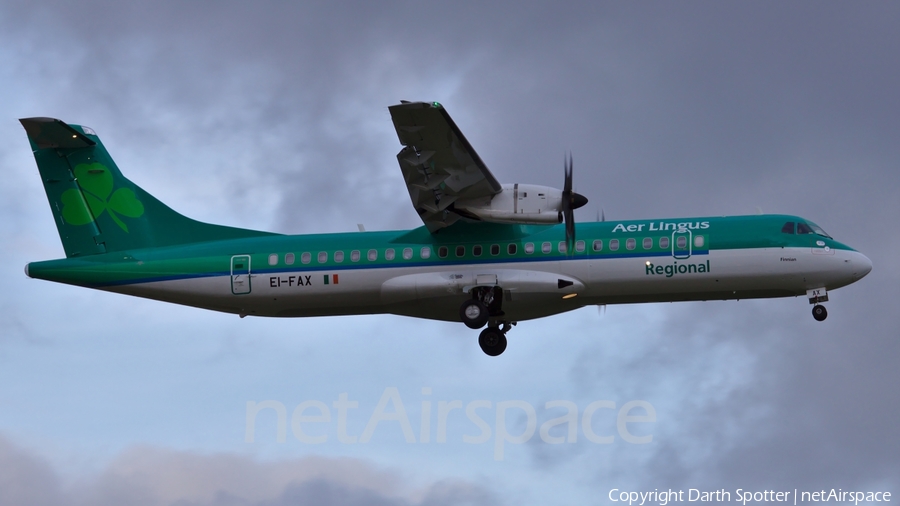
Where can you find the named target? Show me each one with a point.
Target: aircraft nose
(865, 265)
(860, 265)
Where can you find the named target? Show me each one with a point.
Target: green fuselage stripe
(214, 258)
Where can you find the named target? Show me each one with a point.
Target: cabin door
(240, 274)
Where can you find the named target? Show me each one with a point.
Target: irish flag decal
(333, 279)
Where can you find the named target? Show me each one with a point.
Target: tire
(492, 341)
(473, 314)
(819, 312)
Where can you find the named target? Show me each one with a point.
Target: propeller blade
(570, 202)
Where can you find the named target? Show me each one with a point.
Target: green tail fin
(97, 210)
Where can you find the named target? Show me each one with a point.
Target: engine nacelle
(519, 203)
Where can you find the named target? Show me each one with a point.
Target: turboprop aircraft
(489, 255)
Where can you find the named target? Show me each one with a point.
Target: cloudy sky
(273, 115)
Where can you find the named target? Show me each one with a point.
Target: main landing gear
(484, 306)
(493, 339)
(474, 313)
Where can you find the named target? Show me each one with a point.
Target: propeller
(570, 202)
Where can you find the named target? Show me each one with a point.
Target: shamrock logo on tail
(97, 184)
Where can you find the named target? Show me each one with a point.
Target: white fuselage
(531, 289)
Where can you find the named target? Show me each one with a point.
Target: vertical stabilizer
(96, 209)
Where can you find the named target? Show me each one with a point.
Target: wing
(438, 163)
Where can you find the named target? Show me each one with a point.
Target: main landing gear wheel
(819, 312)
(492, 341)
(473, 313)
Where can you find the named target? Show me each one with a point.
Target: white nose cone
(863, 263)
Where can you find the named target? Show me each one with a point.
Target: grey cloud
(703, 109)
(747, 395)
(153, 476)
(26, 479)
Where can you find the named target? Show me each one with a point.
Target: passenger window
(372, 255)
(699, 241)
(614, 245)
(630, 243)
(545, 247)
(511, 249)
(425, 252)
(306, 257)
(407, 253)
(273, 259)
(338, 256)
(442, 252)
(460, 251)
(289, 259)
(495, 249)
(561, 246)
(788, 228)
(579, 246)
(476, 250)
(681, 242)
(648, 243)
(597, 245)
(389, 254)
(664, 242)
(354, 256)
(803, 228)
(323, 257)
(529, 248)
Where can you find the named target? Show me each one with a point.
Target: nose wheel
(819, 312)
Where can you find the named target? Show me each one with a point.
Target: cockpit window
(788, 228)
(803, 228)
(818, 230)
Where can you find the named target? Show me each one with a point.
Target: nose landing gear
(819, 312)
(816, 296)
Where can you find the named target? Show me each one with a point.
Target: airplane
(488, 255)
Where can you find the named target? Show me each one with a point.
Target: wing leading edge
(438, 164)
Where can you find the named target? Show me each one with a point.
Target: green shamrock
(96, 184)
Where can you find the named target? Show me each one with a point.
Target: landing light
(648, 262)
(569, 296)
